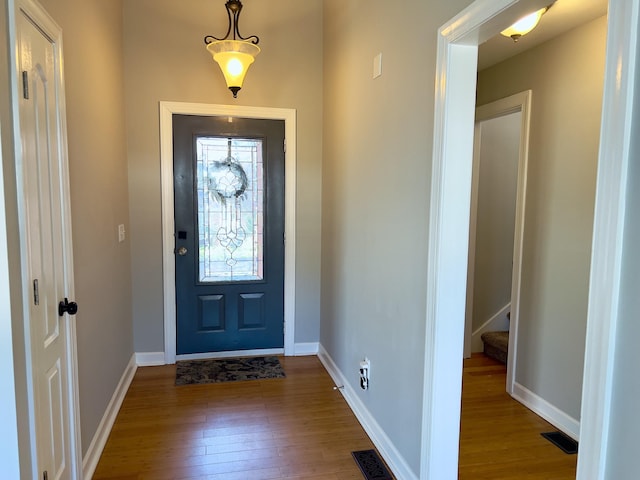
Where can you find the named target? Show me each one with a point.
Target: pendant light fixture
(233, 52)
(524, 25)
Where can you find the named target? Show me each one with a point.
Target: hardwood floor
(293, 428)
(500, 438)
(300, 428)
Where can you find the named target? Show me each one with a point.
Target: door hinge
(36, 293)
(25, 85)
(284, 146)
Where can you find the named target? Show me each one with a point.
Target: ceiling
(563, 16)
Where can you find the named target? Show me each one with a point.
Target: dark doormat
(192, 372)
(371, 465)
(562, 441)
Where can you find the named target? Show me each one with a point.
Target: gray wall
(497, 187)
(375, 201)
(92, 42)
(623, 460)
(165, 59)
(566, 76)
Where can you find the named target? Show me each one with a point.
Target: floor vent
(562, 441)
(371, 465)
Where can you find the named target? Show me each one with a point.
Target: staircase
(496, 345)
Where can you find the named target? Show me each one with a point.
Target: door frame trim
(518, 102)
(43, 21)
(167, 110)
(449, 220)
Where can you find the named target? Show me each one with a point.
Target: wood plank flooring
(499, 437)
(299, 428)
(294, 428)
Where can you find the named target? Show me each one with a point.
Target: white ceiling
(563, 16)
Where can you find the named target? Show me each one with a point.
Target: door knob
(67, 307)
(182, 251)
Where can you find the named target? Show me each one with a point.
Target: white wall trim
(167, 109)
(388, 451)
(149, 359)
(302, 349)
(546, 410)
(497, 322)
(36, 14)
(518, 102)
(231, 354)
(92, 457)
(607, 249)
(449, 221)
(9, 454)
(473, 237)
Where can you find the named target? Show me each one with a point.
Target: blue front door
(229, 233)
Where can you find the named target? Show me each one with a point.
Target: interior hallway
(499, 437)
(294, 428)
(300, 428)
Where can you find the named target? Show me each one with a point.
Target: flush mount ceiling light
(525, 24)
(233, 52)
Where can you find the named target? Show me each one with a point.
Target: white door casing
(449, 219)
(519, 102)
(46, 245)
(167, 109)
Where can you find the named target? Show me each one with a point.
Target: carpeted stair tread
(496, 345)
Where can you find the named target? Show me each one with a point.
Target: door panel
(42, 137)
(229, 233)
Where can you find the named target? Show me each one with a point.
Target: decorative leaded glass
(230, 190)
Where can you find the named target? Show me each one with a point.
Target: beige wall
(165, 59)
(566, 76)
(375, 201)
(92, 42)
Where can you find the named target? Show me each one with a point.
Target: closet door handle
(67, 307)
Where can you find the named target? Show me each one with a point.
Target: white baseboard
(498, 322)
(387, 450)
(235, 353)
(90, 460)
(149, 359)
(301, 349)
(550, 413)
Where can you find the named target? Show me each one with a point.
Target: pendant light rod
(234, 8)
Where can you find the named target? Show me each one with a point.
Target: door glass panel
(230, 191)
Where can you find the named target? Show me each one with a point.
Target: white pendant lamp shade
(524, 25)
(234, 58)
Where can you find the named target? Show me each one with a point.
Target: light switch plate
(121, 233)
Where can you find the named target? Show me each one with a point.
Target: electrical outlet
(365, 372)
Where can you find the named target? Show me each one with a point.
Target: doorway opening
(46, 254)
(229, 235)
(499, 183)
(449, 220)
(167, 110)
